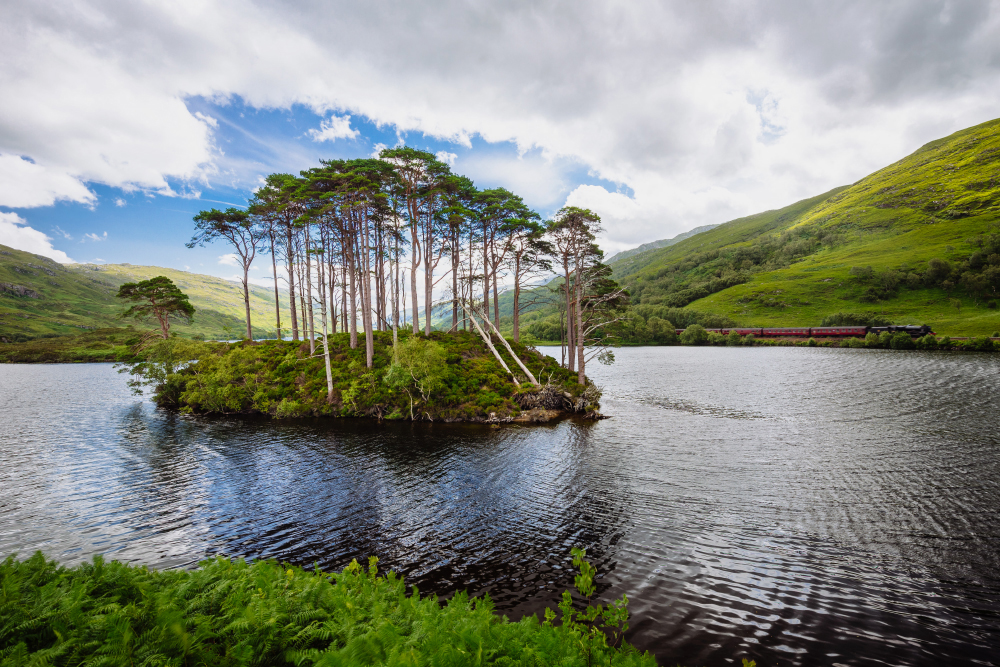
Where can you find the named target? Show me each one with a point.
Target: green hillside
(662, 243)
(918, 242)
(39, 296)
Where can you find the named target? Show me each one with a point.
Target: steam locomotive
(823, 332)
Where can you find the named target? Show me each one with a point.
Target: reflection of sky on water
(798, 506)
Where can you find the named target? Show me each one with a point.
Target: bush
(694, 335)
(928, 342)
(231, 613)
(811, 342)
(995, 334)
(885, 339)
(866, 319)
(980, 344)
(716, 338)
(855, 342)
(944, 343)
(749, 340)
(902, 341)
(734, 339)
(871, 339)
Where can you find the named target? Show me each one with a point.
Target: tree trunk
(309, 297)
(517, 359)
(580, 341)
(290, 253)
(326, 343)
(277, 303)
(489, 344)
(246, 299)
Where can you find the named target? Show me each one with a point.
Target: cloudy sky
(120, 120)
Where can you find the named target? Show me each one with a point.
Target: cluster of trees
(701, 274)
(367, 242)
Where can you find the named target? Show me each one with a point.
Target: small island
(447, 377)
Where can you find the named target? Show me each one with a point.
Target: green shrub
(716, 338)
(995, 334)
(944, 343)
(855, 342)
(734, 339)
(866, 319)
(902, 341)
(811, 342)
(694, 335)
(928, 342)
(749, 340)
(229, 614)
(980, 344)
(885, 339)
(872, 340)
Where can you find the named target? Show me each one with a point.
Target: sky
(119, 121)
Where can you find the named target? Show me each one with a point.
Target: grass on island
(458, 379)
(229, 613)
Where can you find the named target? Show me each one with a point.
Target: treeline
(365, 243)
(702, 274)
(978, 275)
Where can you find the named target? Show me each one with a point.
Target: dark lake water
(792, 505)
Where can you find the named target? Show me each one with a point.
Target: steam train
(822, 332)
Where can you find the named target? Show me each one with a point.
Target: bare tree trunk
(309, 298)
(290, 252)
(531, 378)
(326, 343)
(489, 344)
(352, 318)
(580, 341)
(274, 272)
(366, 295)
(246, 299)
(486, 274)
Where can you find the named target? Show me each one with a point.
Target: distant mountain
(654, 245)
(40, 296)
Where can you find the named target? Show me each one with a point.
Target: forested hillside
(916, 242)
(40, 296)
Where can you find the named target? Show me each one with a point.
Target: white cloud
(333, 128)
(119, 202)
(377, 148)
(25, 184)
(62, 232)
(15, 233)
(229, 260)
(94, 237)
(446, 157)
(705, 111)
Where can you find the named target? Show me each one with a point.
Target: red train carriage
(839, 331)
(786, 332)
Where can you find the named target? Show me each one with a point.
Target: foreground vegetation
(231, 613)
(441, 377)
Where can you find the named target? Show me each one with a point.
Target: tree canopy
(157, 297)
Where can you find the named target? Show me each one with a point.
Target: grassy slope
(919, 208)
(653, 245)
(79, 296)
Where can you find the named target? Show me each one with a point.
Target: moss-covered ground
(283, 379)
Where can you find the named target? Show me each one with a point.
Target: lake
(797, 506)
